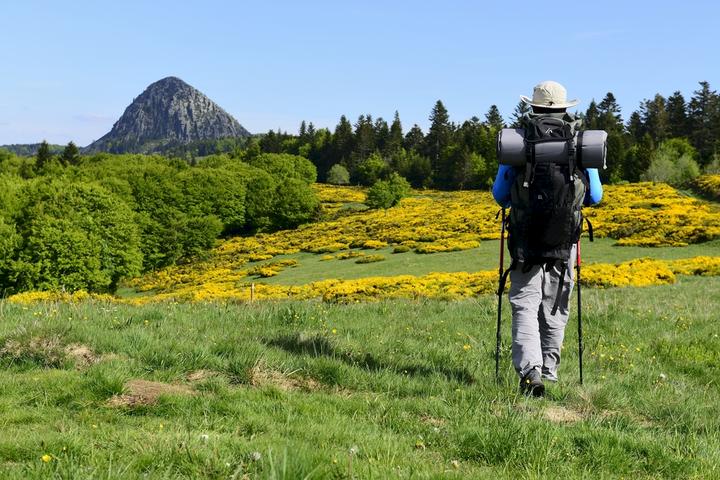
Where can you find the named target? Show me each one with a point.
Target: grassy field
(395, 389)
(388, 389)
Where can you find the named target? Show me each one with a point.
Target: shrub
(295, 203)
(713, 168)
(370, 259)
(380, 195)
(349, 254)
(709, 185)
(372, 169)
(259, 199)
(338, 175)
(387, 193)
(673, 163)
(374, 244)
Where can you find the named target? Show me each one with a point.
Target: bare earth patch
(47, 351)
(81, 355)
(145, 392)
(262, 376)
(561, 415)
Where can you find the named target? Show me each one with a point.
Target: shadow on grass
(318, 346)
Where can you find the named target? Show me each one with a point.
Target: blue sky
(69, 69)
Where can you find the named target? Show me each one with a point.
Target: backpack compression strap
(563, 269)
(529, 162)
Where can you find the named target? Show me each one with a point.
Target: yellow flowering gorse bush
(709, 185)
(653, 214)
(446, 286)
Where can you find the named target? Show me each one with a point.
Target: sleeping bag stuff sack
(590, 145)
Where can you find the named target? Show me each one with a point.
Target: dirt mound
(82, 355)
(46, 352)
(261, 376)
(145, 392)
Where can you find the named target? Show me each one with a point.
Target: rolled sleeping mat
(511, 147)
(552, 152)
(591, 146)
(592, 149)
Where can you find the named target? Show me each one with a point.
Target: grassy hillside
(383, 390)
(397, 388)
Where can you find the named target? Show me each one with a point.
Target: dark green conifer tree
(521, 109)
(43, 156)
(704, 117)
(414, 139)
(591, 119)
(655, 118)
(635, 126)
(677, 115)
(609, 117)
(436, 143)
(70, 155)
(395, 138)
(342, 142)
(382, 134)
(638, 159)
(494, 119)
(364, 139)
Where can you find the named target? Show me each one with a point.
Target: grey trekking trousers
(537, 334)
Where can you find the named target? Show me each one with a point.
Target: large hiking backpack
(546, 198)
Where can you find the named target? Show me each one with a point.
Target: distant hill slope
(29, 149)
(167, 114)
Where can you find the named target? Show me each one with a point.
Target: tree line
(665, 139)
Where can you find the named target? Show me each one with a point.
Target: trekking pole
(580, 342)
(500, 285)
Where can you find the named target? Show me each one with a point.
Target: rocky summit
(168, 113)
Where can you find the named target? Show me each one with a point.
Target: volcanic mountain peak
(168, 113)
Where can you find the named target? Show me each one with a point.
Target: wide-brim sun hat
(549, 94)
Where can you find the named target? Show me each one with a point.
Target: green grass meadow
(395, 389)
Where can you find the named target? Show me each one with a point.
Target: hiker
(543, 250)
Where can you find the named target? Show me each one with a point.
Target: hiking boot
(532, 384)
